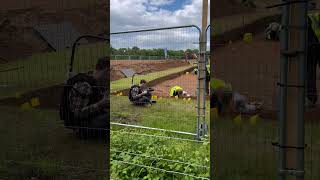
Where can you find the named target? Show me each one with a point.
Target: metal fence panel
(35, 143)
(243, 142)
(157, 140)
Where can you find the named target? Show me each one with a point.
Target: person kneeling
(177, 91)
(141, 95)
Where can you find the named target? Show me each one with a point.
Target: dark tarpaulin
(59, 36)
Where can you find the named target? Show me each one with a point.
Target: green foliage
(136, 51)
(158, 153)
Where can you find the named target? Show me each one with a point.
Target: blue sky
(175, 5)
(141, 14)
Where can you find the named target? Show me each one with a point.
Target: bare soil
(228, 8)
(142, 66)
(17, 20)
(187, 81)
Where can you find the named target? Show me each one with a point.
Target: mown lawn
(34, 143)
(46, 69)
(167, 113)
(244, 152)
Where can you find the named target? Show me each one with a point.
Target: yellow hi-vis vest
(218, 83)
(315, 21)
(174, 89)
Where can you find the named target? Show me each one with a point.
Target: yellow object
(35, 102)
(174, 89)
(184, 99)
(25, 106)
(253, 120)
(214, 113)
(218, 83)
(248, 37)
(177, 97)
(120, 94)
(154, 97)
(187, 72)
(237, 120)
(189, 99)
(18, 95)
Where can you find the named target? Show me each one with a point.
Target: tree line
(136, 51)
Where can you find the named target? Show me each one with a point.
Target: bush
(132, 153)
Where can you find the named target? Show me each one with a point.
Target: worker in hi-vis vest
(177, 91)
(221, 94)
(223, 97)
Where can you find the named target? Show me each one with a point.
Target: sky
(143, 14)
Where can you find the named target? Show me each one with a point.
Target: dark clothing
(138, 97)
(215, 103)
(87, 114)
(313, 60)
(207, 81)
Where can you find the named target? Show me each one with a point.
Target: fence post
(201, 97)
(292, 84)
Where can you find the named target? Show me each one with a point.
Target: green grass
(47, 69)
(34, 143)
(169, 114)
(125, 83)
(244, 151)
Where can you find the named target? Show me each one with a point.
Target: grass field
(46, 69)
(244, 150)
(169, 114)
(35, 144)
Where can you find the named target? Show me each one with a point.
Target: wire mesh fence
(155, 137)
(35, 142)
(243, 142)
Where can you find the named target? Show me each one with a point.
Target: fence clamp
(292, 53)
(291, 172)
(288, 147)
(290, 85)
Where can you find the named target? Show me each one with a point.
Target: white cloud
(140, 14)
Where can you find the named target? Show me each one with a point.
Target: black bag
(65, 112)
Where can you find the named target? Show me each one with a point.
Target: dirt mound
(188, 82)
(17, 21)
(237, 34)
(142, 66)
(229, 8)
(251, 68)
